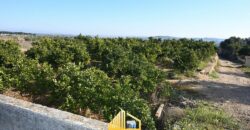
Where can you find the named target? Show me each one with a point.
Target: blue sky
(182, 18)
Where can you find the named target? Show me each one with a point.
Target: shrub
(58, 52)
(100, 74)
(91, 88)
(2, 87)
(206, 116)
(234, 46)
(187, 61)
(76, 89)
(245, 51)
(6, 79)
(184, 55)
(9, 53)
(33, 77)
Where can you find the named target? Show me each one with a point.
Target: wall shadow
(222, 92)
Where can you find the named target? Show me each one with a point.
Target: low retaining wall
(240, 59)
(211, 65)
(21, 115)
(247, 63)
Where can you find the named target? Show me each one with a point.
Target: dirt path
(231, 91)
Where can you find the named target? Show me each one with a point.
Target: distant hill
(16, 33)
(167, 37)
(216, 40)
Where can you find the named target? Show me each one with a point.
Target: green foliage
(6, 79)
(246, 70)
(2, 87)
(245, 50)
(187, 61)
(32, 77)
(144, 75)
(185, 55)
(9, 53)
(203, 64)
(117, 57)
(140, 109)
(93, 89)
(149, 49)
(214, 75)
(130, 100)
(90, 88)
(59, 51)
(167, 91)
(206, 116)
(100, 74)
(233, 47)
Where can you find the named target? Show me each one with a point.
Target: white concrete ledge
(17, 114)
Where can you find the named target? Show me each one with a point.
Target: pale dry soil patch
(25, 45)
(230, 91)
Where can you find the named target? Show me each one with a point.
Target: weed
(246, 70)
(214, 75)
(205, 117)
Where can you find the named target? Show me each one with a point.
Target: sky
(180, 18)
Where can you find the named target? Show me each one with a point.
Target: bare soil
(25, 45)
(231, 90)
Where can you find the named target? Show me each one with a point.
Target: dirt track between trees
(231, 90)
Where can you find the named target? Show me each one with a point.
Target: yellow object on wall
(119, 122)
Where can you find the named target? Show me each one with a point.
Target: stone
(174, 113)
(159, 111)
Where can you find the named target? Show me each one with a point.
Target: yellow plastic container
(119, 122)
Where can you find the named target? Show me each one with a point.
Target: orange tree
(101, 74)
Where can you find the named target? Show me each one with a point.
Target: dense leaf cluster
(100, 74)
(10, 54)
(185, 55)
(234, 46)
(59, 51)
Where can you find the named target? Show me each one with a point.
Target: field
(95, 77)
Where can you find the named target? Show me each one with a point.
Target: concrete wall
(21, 115)
(247, 63)
(243, 60)
(211, 65)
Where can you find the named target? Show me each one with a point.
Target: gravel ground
(231, 90)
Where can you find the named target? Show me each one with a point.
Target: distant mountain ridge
(216, 40)
(208, 39)
(16, 33)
